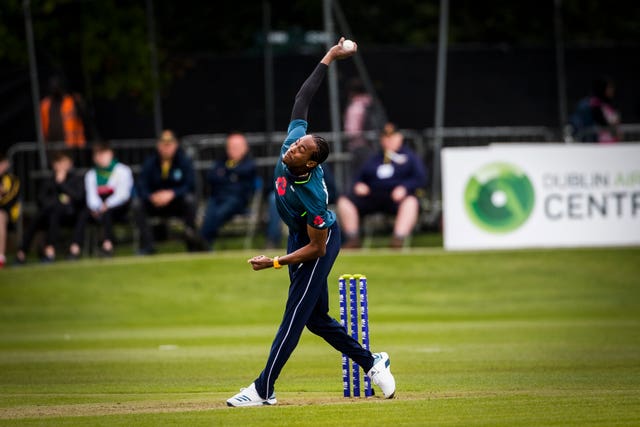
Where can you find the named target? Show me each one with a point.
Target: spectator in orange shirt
(61, 115)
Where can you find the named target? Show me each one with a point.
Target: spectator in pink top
(595, 118)
(357, 119)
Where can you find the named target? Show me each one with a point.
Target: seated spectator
(166, 189)
(60, 199)
(386, 183)
(9, 203)
(596, 119)
(232, 181)
(108, 186)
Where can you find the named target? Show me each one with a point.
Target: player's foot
(249, 397)
(352, 243)
(381, 374)
(397, 242)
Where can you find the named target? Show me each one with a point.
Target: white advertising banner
(541, 195)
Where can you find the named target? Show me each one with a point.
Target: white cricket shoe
(381, 374)
(249, 397)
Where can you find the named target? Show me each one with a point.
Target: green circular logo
(499, 198)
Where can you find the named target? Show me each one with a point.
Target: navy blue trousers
(218, 212)
(308, 305)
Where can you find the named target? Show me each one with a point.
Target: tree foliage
(105, 41)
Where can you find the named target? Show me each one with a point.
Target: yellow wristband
(276, 264)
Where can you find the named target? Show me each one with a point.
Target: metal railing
(203, 149)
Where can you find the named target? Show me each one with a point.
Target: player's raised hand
(344, 49)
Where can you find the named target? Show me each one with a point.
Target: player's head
(306, 153)
(102, 154)
(61, 161)
(237, 146)
(355, 87)
(322, 152)
(167, 144)
(390, 138)
(604, 88)
(57, 86)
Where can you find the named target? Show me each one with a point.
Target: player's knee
(346, 206)
(410, 202)
(314, 326)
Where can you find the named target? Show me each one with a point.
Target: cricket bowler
(313, 245)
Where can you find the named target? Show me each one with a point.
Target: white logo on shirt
(385, 171)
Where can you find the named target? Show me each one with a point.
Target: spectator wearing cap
(387, 182)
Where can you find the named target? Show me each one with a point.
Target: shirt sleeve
(11, 185)
(72, 187)
(364, 173)
(307, 90)
(297, 129)
(122, 187)
(144, 179)
(418, 177)
(91, 187)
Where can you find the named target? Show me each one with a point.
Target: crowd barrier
(205, 148)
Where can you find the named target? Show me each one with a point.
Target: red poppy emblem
(318, 221)
(281, 185)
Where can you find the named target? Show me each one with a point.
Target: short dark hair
(100, 146)
(59, 155)
(355, 86)
(322, 152)
(599, 86)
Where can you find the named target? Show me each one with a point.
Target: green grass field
(524, 338)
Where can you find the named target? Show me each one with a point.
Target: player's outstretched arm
(315, 249)
(310, 86)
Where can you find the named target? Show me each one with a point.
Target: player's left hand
(260, 262)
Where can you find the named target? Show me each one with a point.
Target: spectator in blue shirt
(387, 183)
(232, 181)
(166, 188)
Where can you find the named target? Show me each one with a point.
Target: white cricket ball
(348, 45)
